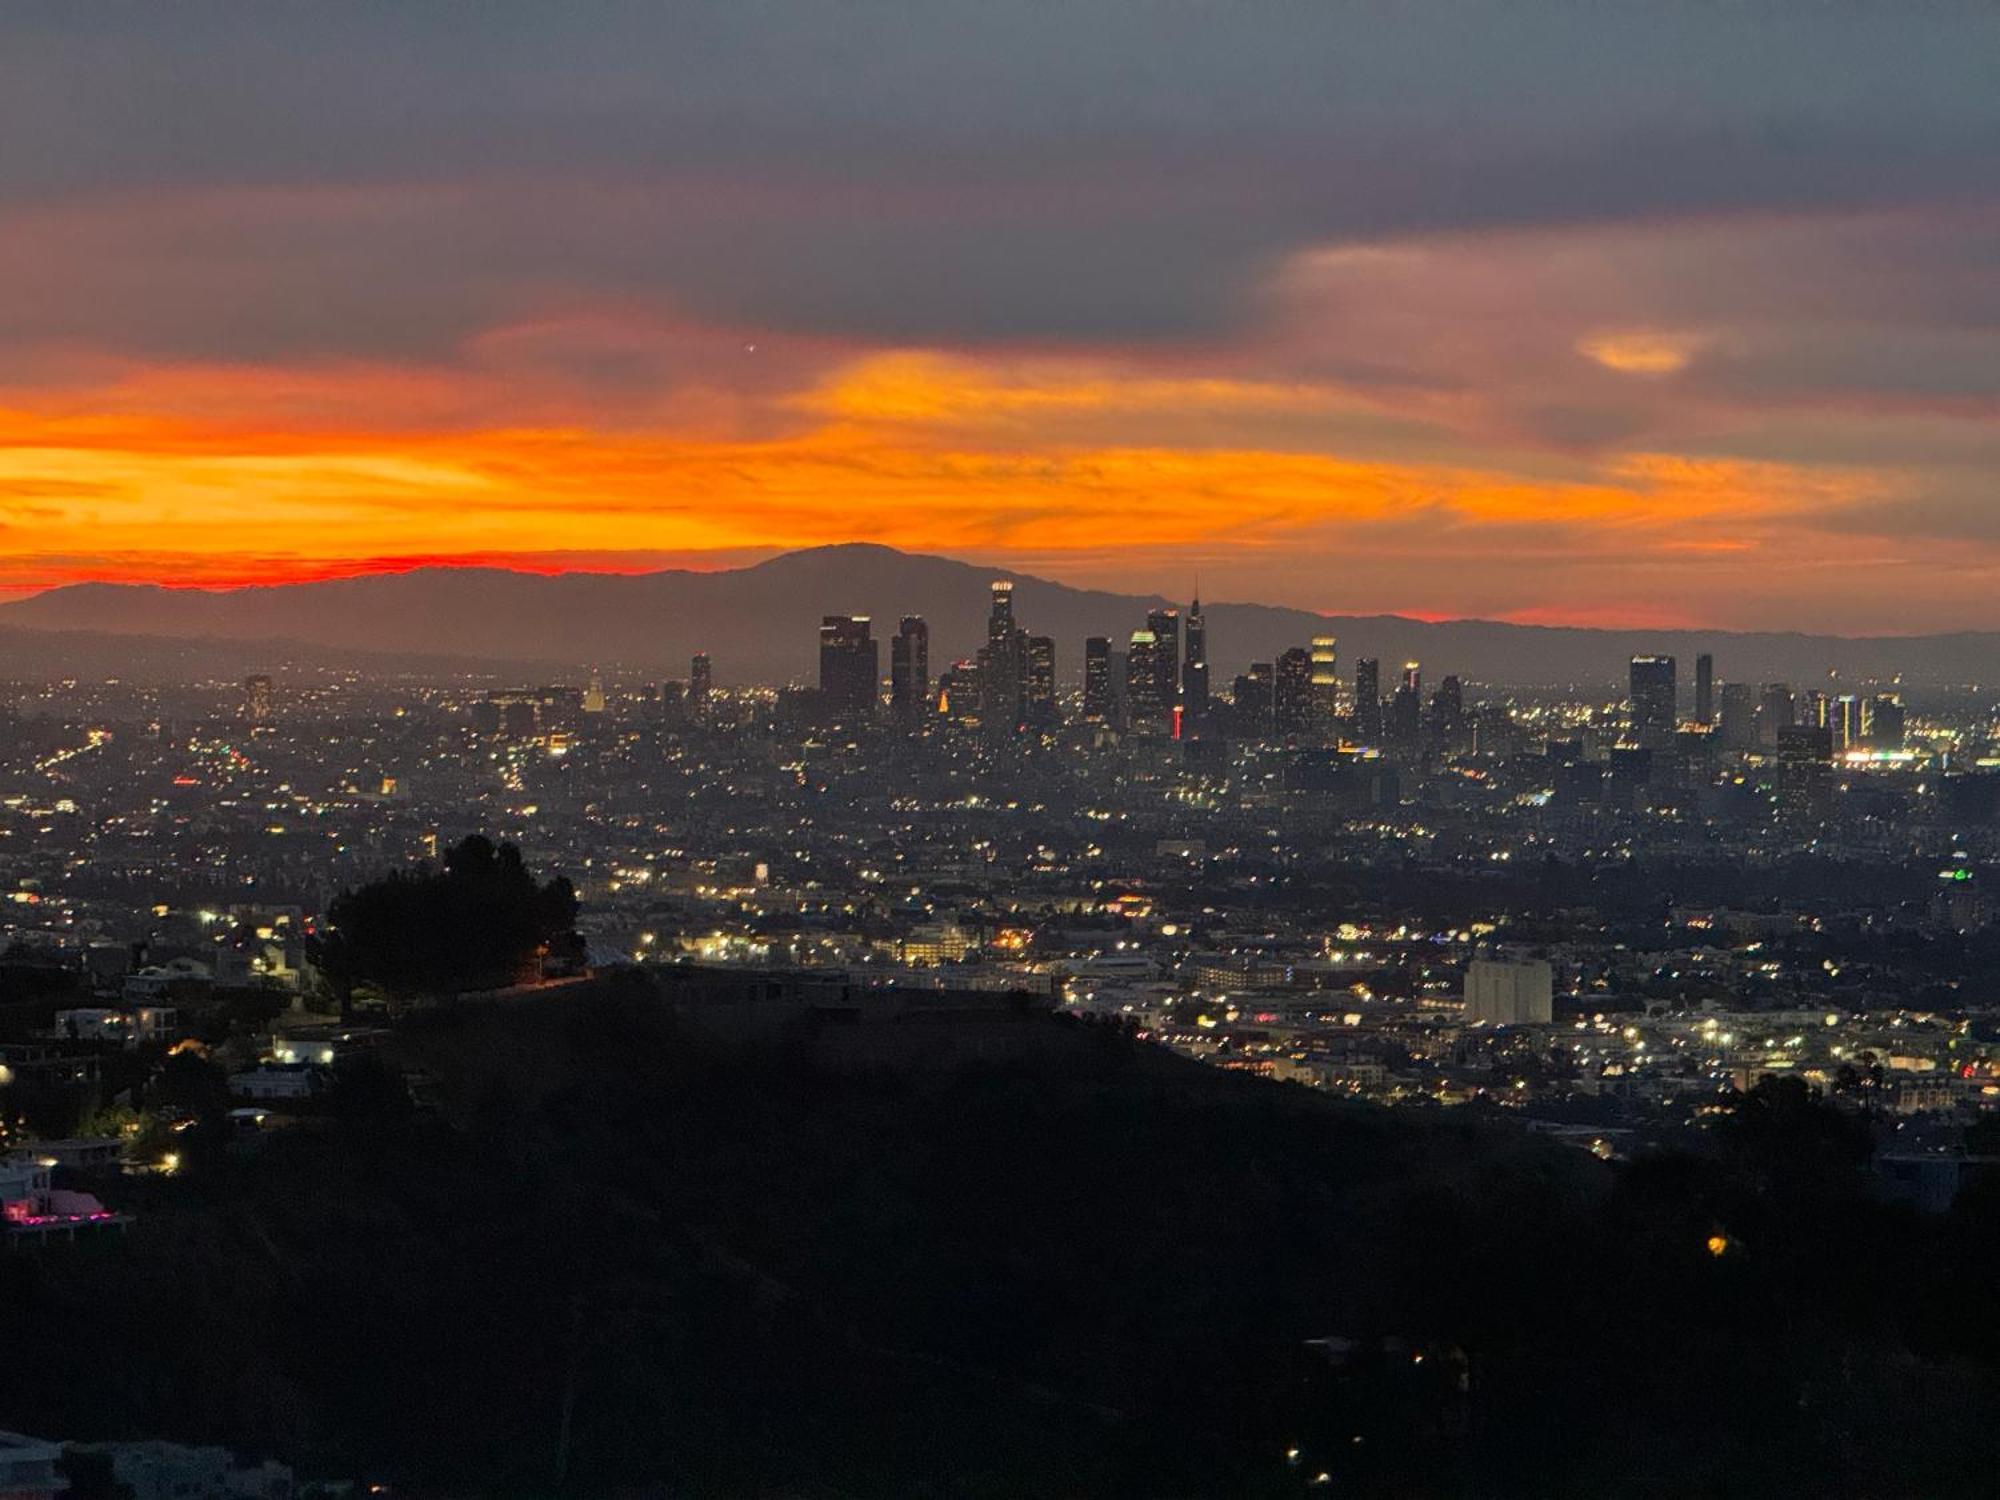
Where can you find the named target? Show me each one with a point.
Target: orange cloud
(1642, 351)
(223, 475)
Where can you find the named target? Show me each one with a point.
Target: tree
(476, 924)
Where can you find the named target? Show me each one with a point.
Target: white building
(1504, 992)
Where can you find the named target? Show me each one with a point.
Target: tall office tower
(1885, 722)
(1194, 668)
(1406, 709)
(1777, 710)
(1738, 725)
(593, 694)
(673, 704)
(1145, 700)
(910, 669)
(257, 698)
(1812, 708)
(1704, 689)
(1368, 700)
(1165, 625)
(1041, 684)
(1254, 699)
(1325, 685)
(701, 681)
(1119, 671)
(1291, 693)
(849, 667)
(1843, 720)
(1000, 616)
(1448, 712)
(1655, 690)
(1003, 664)
(1099, 695)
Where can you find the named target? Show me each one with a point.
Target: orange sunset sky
(1333, 310)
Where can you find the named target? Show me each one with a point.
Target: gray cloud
(949, 171)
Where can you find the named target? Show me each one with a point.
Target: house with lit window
(32, 1210)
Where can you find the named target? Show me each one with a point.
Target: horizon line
(615, 564)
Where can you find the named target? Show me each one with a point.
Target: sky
(1598, 313)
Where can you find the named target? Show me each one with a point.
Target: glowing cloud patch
(1642, 351)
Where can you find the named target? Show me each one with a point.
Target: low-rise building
(28, 1468)
(171, 1471)
(276, 1081)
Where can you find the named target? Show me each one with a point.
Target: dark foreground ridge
(624, 1249)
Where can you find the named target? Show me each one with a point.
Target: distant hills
(760, 625)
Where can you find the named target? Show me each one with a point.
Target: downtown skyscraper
(1194, 670)
(910, 670)
(1654, 699)
(849, 667)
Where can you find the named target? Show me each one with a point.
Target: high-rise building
(1040, 693)
(1448, 712)
(1119, 671)
(1291, 693)
(1166, 627)
(1406, 709)
(701, 681)
(1704, 689)
(672, 704)
(1194, 668)
(593, 694)
(1098, 691)
(1654, 705)
(1777, 710)
(1738, 725)
(1253, 699)
(1503, 993)
(910, 670)
(1368, 700)
(849, 667)
(1325, 685)
(1003, 665)
(1000, 611)
(1885, 722)
(1145, 696)
(1843, 722)
(257, 698)
(514, 715)
(959, 691)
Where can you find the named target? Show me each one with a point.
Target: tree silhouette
(475, 924)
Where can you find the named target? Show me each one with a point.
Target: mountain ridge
(759, 623)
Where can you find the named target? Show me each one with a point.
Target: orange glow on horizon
(166, 477)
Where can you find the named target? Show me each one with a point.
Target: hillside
(744, 1273)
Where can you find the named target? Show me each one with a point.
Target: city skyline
(1358, 313)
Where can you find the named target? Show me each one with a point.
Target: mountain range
(760, 625)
